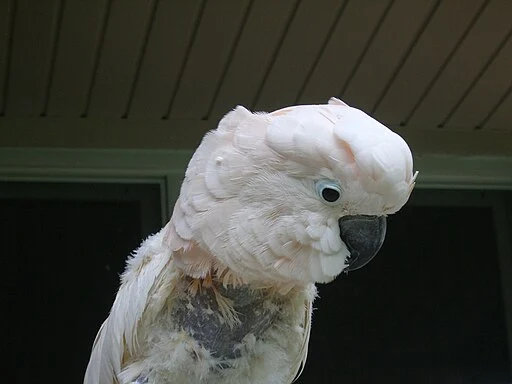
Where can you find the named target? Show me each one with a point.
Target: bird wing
(303, 353)
(140, 298)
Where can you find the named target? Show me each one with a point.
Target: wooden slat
(215, 37)
(260, 37)
(494, 82)
(388, 48)
(124, 37)
(164, 56)
(7, 14)
(80, 33)
(31, 57)
(501, 119)
(102, 132)
(297, 53)
(445, 29)
(343, 50)
(481, 42)
(187, 133)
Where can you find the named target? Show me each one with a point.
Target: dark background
(62, 255)
(428, 309)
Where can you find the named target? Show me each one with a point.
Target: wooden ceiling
(160, 73)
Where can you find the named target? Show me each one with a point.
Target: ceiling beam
(131, 133)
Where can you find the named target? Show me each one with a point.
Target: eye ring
(329, 191)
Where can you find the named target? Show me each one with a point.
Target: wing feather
(303, 353)
(117, 337)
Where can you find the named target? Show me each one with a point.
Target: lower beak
(363, 235)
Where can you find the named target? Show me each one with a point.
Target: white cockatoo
(271, 204)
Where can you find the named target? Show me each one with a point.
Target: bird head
(297, 195)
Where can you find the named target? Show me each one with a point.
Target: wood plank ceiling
(159, 73)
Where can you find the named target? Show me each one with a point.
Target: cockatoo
(271, 204)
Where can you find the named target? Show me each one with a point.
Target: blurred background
(103, 101)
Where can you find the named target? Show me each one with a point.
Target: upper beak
(363, 235)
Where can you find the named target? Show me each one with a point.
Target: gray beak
(363, 236)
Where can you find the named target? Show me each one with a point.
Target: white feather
(118, 334)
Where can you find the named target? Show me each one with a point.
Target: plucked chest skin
(209, 333)
(221, 327)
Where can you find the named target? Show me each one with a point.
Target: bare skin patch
(200, 315)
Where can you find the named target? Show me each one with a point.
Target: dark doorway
(64, 246)
(428, 309)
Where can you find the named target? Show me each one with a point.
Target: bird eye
(331, 195)
(328, 190)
